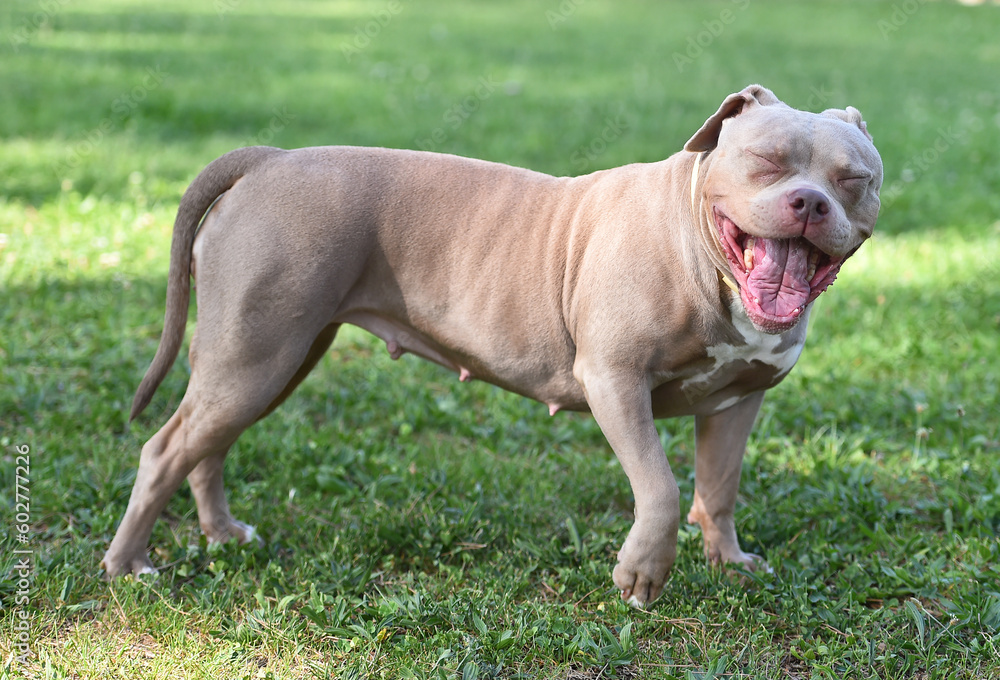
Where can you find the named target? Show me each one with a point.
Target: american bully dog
(655, 290)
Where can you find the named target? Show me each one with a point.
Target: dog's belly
(727, 373)
(549, 381)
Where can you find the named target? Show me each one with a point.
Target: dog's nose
(808, 205)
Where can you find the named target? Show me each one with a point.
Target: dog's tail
(217, 178)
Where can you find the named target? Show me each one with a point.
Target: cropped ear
(707, 137)
(850, 115)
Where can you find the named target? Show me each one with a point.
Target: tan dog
(647, 291)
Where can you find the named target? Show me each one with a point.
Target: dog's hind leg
(316, 352)
(216, 521)
(241, 379)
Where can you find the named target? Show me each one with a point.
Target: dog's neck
(698, 214)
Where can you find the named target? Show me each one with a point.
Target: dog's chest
(730, 371)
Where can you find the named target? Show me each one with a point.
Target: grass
(421, 528)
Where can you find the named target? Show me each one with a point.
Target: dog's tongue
(779, 280)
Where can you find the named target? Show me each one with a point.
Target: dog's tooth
(813, 263)
(748, 254)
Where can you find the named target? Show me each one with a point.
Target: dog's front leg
(621, 405)
(721, 442)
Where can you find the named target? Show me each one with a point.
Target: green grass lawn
(417, 527)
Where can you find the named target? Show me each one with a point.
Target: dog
(680, 287)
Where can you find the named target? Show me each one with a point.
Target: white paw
(136, 566)
(250, 535)
(233, 529)
(750, 562)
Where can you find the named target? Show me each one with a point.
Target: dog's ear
(707, 137)
(850, 115)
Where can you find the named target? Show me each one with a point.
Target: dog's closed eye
(855, 183)
(765, 165)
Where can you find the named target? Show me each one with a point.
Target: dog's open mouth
(777, 277)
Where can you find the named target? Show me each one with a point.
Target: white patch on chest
(726, 403)
(762, 347)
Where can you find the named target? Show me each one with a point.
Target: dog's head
(790, 194)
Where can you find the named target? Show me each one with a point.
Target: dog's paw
(632, 600)
(247, 533)
(755, 563)
(229, 529)
(640, 576)
(637, 589)
(740, 560)
(137, 566)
